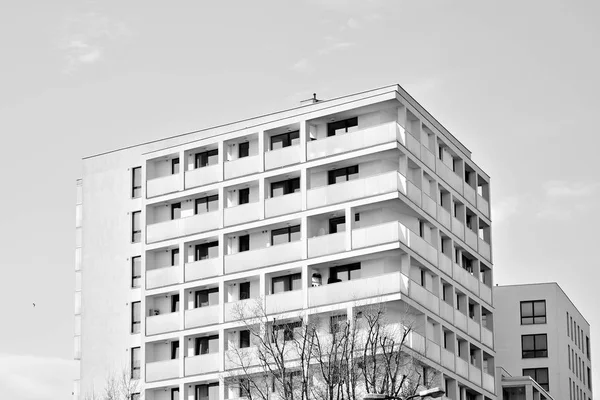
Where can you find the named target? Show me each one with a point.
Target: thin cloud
(504, 209)
(570, 189)
(565, 200)
(352, 23)
(303, 66)
(336, 46)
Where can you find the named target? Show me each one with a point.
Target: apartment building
(544, 336)
(315, 210)
(519, 387)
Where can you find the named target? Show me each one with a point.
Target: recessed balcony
(282, 157)
(285, 301)
(277, 254)
(445, 264)
(470, 194)
(475, 374)
(483, 206)
(460, 320)
(183, 226)
(203, 176)
(485, 292)
(446, 311)
(458, 228)
(489, 382)
(474, 328)
(286, 204)
(427, 157)
(162, 323)
(202, 364)
(164, 276)
(484, 249)
(163, 185)
(242, 167)
(465, 278)
(242, 213)
(433, 351)
(202, 316)
(448, 359)
(162, 370)
(471, 238)
(203, 269)
(444, 217)
(424, 297)
(462, 367)
(327, 244)
(487, 337)
(449, 176)
(429, 205)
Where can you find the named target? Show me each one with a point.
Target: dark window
(207, 392)
(175, 211)
(282, 188)
(244, 339)
(285, 235)
(136, 182)
(244, 243)
(174, 393)
(288, 330)
(337, 322)
(440, 152)
(569, 355)
(203, 251)
(567, 324)
(533, 312)
(136, 271)
(174, 350)
(286, 283)
(343, 174)
(285, 140)
(589, 376)
(534, 346)
(341, 127)
(344, 273)
(136, 226)
(136, 320)
(337, 224)
(207, 297)
(244, 196)
(357, 217)
(244, 290)
(244, 149)
(204, 345)
(175, 166)
(135, 396)
(174, 257)
(135, 363)
(540, 375)
(174, 303)
(587, 347)
(206, 158)
(207, 204)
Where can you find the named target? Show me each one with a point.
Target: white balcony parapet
(475, 374)
(449, 176)
(458, 228)
(415, 341)
(358, 289)
(327, 244)
(433, 351)
(474, 328)
(285, 301)
(488, 382)
(281, 205)
(242, 166)
(471, 238)
(444, 217)
(446, 311)
(182, 226)
(483, 206)
(487, 337)
(445, 264)
(462, 367)
(203, 176)
(484, 250)
(470, 194)
(243, 357)
(202, 316)
(161, 370)
(413, 145)
(427, 157)
(282, 157)
(163, 185)
(460, 320)
(202, 269)
(202, 364)
(448, 359)
(272, 255)
(162, 323)
(485, 292)
(465, 278)
(161, 277)
(413, 193)
(357, 140)
(424, 297)
(242, 213)
(239, 309)
(429, 205)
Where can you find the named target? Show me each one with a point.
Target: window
(286, 283)
(288, 330)
(343, 174)
(569, 355)
(175, 211)
(244, 290)
(341, 127)
(136, 226)
(344, 273)
(135, 396)
(136, 271)
(244, 243)
(174, 303)
(589, 376)
(567, 324)
(282, 188)
(244, 196)
(204, 159)
(135, 363)
(206, 250)
(174, 393)
(207, 297)
(174, 257)
(175, 166)
(534, 346)
(136, 182)
(570, 390)
(357, 217)
(207, 204)
(207, 392)
(337, 322)
(285, 235)
(337, 224)
(244, 339)
(285, 140)
(206, 345)
(175, 350)
(533, 312)
(587, 347)
(244, 149)
(540, 375)
(136, 319)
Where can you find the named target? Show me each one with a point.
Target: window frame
(545, 385)
(535, 352)
(136, 234)
(243, 243)
(136, 324)
(205, 201)
(533, 316)
(208, 292)
(175, 166)
(136, 278)
(207, 246)
(136, 369)
(243, 196)
(342, 124)
(242, 340)
(335, 222)
(244, 294)
(174, 207)
(243, 149)
(175, 303)
(136, 187)
(288, 282)
(288, 229)
(201, 159)
(199, 340)
(288, 186)
(339, 172)
(174, 255)
(287, 139)
(348, 268)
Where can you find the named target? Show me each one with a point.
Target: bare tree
(118, 385)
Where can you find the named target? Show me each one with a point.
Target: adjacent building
(362, 198)
(544, 336)
(519, 387)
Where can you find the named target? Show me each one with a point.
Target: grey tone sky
(517, 82)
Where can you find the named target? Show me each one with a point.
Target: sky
(516, 81)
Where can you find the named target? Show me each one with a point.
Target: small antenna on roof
(312, 100)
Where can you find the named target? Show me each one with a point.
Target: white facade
(557, 322)
(407, 203)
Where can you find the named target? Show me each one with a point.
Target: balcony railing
(202, 364)
(427, 157)
(484, 249)
(458, 228)
(462, 367)
(433, 351)
(471, 238)
(360, 139)
(285, 301)
(239, 309)
(278, 254)
(446, 311)
(163, 185)
(238, 358)
(424, 297)
(444, 217)
(161, 370)
(474, 328)
(203, 269)
(242, 213)
(183, 226)
(485, 292)
(475, 374)
(202, 316)
(203, 176)
(162, 323)
(483, 206)
(242, 166)
(282, 157)
(465, 278)
(281, 205)
(327, 244)
(429, 205)
(449, 176)
(470, 194)
(448, 359)
(413, 193)
(488, 382)
(161, 277)
(487, 337)
(460, 320)
(445, 264)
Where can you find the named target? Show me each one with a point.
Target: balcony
(470, 194)
(449, 176)
(446, 311)
(242, 166)
(460, 320)
(358, 289)
(483, 206)
(285, 301)
(487, 337)
(236, 358)
(471, 239)
(202, 316)
(162, 323)
(424, 297)
(415, 341)
(413, 145)
(278, 254)
(242, 213)
(203, 269)
(163, 185)
(161, 277)
(235, 310)
(465, 278)
(433, 351)
(182, 226)
(462, 367)
(283, 157)
(161, 370)
(385, 133)
(280, 205)
(413, 193)
(474, 374)
(485, 292)
(203, 176)
(445, 264)
(448, 359)
(488, 382)
(388, 182)
(444, 217)
(458, 228)
(484, 250)
(474, 328)
(202, 364)
(327, 244)
(427, 157)
(429, 205)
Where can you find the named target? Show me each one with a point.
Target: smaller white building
(519, 387)
(541, 334)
